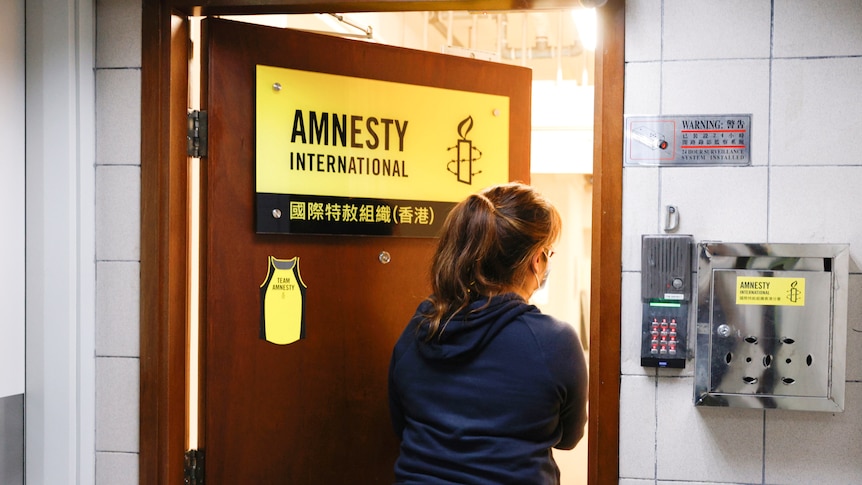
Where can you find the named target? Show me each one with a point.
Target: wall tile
(643, 30)
(854, 329)
(117, 468)
(718, 203)
(118, 213)
(118, 33)
(815, 205)
(722, 87)
(643, 88)
(117, 309)
(118, 117)
(816, 111)
(118, 142)
(635, 481)
(12, 445)
(706, 29)
(807, 28)
(687, 482)
(117, 404)
(630, 327)
(638, 425)
(640, 212)
(705, 444)
(795, 440)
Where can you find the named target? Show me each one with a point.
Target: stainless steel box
(771, 326)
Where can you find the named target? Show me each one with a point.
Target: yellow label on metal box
(767, 290)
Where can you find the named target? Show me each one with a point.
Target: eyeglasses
(548, 252)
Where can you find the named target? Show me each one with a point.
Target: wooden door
(314, 411)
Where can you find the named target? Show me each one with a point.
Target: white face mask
(548, 253)
(544, 278)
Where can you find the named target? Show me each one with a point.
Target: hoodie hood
(470, 330)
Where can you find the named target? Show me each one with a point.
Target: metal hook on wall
(671, 220)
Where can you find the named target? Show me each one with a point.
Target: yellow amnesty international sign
(759, 290)
(345, 155)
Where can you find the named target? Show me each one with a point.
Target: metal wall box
(771, 326)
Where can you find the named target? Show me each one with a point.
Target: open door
(314, 410)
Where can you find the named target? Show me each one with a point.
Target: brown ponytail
(485, 247)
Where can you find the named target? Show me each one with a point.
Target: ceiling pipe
(474, 32)
(524, 49)
(426, 17)
(542, 48)
(559, 51)
(367, 32)
(449, 33)
(444, 29)
(501, 29)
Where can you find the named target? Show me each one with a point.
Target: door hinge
(193, 468)
(196, 136)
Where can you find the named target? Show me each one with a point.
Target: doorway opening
(559, 48)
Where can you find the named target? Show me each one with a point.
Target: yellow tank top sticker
(282, 302)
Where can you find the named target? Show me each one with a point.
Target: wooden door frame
(165, 227)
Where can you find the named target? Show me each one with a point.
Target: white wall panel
(12, 197)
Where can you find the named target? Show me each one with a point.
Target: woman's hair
(485, 247)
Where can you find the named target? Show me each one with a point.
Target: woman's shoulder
(552, 335)
(544, 323)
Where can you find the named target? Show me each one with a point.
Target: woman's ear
(536, 262)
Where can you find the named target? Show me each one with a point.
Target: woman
(481, 384)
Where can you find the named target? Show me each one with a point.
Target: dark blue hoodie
(485, 402)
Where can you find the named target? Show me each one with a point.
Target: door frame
(165, 226)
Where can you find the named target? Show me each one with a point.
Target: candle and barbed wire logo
(465, 154)
(794, 293)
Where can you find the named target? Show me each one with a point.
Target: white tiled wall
(795, 441)
(854, 337)
(705, 444)
(637, 415)
(721, 86)
(804, 29)
(796, 65)
(710, 29)
(118, 190)
(815, 104)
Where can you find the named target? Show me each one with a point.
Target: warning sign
(691, 140)
(758, 290)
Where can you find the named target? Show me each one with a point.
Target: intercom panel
(666, 289)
